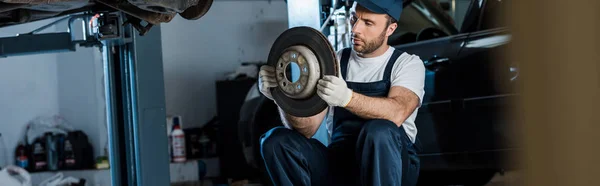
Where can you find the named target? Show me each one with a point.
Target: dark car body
(465, 129)
(465, 124)
(469, 84)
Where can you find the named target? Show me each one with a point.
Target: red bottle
(22, 160)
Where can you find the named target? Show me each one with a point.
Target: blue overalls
(362, 152)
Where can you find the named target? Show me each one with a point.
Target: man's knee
(378, 130)
(273, 139)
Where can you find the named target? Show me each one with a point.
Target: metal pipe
(48, 25)
(85, 30)
(325, 23)
(348, 29)
(111, 115)
(335, 40)
(328, 17)
(73, 18)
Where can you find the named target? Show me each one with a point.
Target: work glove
(266, 80)
(334, 91)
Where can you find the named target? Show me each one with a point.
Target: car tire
(258, 115)
(265, 118)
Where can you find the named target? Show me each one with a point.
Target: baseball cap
(393, 8)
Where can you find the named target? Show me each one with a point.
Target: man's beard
(371, 46)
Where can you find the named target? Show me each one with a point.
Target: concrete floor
(508, 179)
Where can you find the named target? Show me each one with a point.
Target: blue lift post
(134, 90)
(139, 137)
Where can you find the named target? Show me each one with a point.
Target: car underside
(152, 11)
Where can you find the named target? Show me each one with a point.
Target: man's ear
(390, 29)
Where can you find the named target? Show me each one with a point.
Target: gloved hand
(334, 91)
(266, 80)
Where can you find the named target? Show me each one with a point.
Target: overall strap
(390, 65)
(344, 61)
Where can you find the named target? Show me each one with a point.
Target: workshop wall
(81, 94)
(69, 84)
(28, 88)
(198, 53)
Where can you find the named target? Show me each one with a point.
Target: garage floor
(508, 179)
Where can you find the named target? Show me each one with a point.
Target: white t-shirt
(408, 72)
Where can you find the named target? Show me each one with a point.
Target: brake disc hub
(298, 72)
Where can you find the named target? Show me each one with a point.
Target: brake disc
(301, 56)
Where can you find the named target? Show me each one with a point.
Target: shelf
(63, 171)
(180, 172)
(92, 176)
(197, 159)
(189, 171)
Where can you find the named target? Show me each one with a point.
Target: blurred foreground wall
(557, 44)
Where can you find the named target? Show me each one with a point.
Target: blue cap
(393, 8)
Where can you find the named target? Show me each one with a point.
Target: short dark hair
(390, 20)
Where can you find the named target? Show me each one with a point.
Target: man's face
(369, 30)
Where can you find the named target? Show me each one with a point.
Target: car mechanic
(370, 118)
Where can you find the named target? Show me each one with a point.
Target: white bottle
(178, 140)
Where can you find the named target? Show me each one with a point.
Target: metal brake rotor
(305, 62)
(301, 56)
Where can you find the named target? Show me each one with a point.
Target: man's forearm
(393, 109)
(307, 126)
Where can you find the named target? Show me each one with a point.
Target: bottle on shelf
(21, 157)
(51, 152)
(60, 149)
(38, 156)
(68, 153)
(178, 142)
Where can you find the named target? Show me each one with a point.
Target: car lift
(134, 89)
